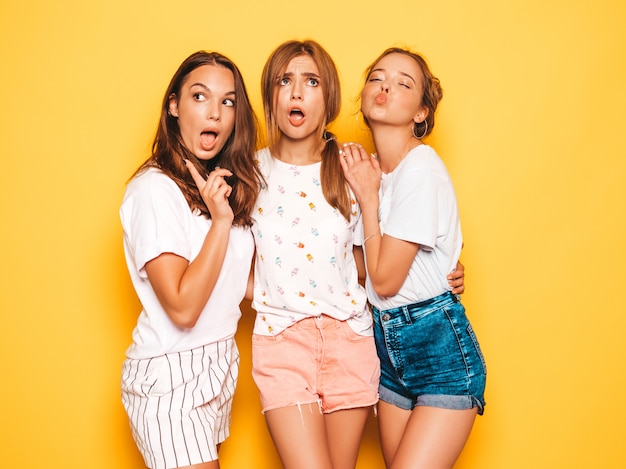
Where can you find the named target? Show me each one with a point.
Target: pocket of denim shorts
(472, 335)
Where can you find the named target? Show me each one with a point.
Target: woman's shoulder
(422, 152)
(152, 183)
(263, 156)
(422, 157)
(150, 177)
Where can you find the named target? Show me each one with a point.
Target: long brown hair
(431, 91)
(334, 185)
(237, 155)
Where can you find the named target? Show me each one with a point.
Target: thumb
(374, 162)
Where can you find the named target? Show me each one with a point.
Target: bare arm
(388, 259)
(357, 252)
(183, 287)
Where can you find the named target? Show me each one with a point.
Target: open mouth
(296, 116)
(207, 139)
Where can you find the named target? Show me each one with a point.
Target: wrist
(367, 238)
(222, 223)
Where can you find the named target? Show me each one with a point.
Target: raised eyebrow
(204, 87)
(305, 74)
(201, 85)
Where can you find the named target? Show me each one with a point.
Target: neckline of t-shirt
(292, 165)
(416, 149)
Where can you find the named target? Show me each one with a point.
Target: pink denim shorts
(319, 360)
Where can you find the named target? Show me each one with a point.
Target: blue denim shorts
(429, 356)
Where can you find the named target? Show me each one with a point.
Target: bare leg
(344, 430)
(425, 438)
(392, 421)
(299, 434)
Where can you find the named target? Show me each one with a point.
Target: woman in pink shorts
(314, 356)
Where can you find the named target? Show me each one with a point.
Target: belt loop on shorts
(407, 314)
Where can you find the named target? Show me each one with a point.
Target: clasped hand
(362, 171)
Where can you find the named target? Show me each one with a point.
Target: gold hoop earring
(425, 129)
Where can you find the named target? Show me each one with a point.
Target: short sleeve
(153, 214)
(414, 208)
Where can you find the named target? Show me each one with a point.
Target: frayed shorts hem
(319, 405)
(295, 404)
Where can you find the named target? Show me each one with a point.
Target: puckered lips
(381, 98)
(208, 138)
(296, 116)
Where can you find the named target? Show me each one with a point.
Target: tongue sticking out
(296, 117)
(207, 139)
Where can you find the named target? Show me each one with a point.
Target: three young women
(186, 216)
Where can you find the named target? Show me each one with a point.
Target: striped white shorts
(179, 404)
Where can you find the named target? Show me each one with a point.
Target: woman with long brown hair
(188, 247)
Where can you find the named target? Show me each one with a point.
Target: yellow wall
(532, 130)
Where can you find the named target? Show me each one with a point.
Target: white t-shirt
(157, 219)
(418, 204)
(304, 261)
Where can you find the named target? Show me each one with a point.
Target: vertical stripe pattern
(179, 404)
